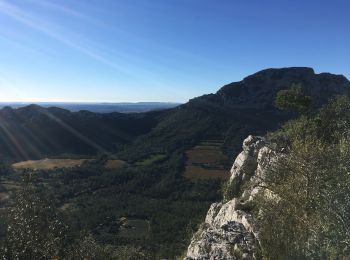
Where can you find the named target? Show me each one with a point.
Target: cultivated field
(47, 164)
(206, 161)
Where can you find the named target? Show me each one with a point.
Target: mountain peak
(259, 89)
(31, 108)
(282, 72)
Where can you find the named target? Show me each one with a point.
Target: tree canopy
(293, 99)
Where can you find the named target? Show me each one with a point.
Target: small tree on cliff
(293, 99)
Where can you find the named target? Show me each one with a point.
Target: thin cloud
(58, 8)
(20, 16)
(50, 30)
(129, 65)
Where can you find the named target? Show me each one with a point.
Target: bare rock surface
(230, 230)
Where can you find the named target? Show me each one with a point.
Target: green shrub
(310, 216)
(293, 99)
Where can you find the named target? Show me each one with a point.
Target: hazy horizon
(100, 107)
(84, 102)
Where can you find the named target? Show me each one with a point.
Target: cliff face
(230, 230)
(259, 90)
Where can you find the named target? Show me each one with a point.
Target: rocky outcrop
(230, 230)
(259, 90)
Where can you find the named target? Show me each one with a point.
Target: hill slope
(35, 132)
(236, 110)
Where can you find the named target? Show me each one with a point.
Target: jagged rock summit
(230, 231)
(259, 89)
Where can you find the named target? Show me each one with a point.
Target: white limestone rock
(229, 231)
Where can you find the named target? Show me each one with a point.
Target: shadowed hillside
(35, 132)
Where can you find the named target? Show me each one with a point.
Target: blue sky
(161, 50)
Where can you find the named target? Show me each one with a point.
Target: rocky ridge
(230, 230)
(259, 89)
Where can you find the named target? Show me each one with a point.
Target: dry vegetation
(46, 164)
(114, 164)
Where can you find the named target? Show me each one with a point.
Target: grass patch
(151, 159)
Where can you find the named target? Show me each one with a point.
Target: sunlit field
(47, 164)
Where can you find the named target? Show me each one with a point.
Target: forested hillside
(34, 132)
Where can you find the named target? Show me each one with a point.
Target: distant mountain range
(122, 107)
(236, 110)
(35, 132)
